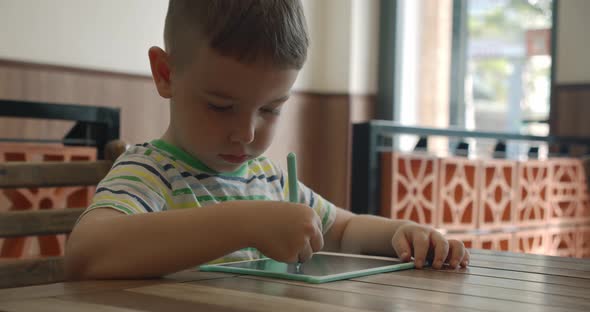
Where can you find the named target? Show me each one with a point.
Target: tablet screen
(318, 265)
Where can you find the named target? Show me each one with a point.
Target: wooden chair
(15, 273)
(586, 161)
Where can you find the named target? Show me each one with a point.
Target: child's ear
(160, 65)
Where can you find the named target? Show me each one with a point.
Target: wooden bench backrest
(15, 272)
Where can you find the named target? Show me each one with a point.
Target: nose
(244, 130)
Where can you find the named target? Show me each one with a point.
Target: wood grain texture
(507, 254)
(57, 305)
(466, 279)
(325, 295)
(578, 266)
(16, 273)
(435, 298)
(38, 222)
(87, 287)
(523, 295)
(547, 271)
(500, 272)
(570, 110)
(144, 114)
(236, 299)
(472, 289)
(47, 174)
(145, 302)
(315, 126)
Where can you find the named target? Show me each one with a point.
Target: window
(506, 65)
(476, 64)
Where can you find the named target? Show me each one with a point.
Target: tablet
(321, 268)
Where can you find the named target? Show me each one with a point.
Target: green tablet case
(322, 268)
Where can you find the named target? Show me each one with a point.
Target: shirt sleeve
(322, 207)
(134, 184)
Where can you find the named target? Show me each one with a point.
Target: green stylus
(293, 186)
(292, 170)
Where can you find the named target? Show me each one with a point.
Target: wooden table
(494, 281)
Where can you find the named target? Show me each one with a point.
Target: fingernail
(419, 264)
(404, 255)
(454, 263)
(438, 264)
(464, 263)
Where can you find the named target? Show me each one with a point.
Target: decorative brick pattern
(583, 213)
(561, 242)
(410, 188)
(533, 206)
(497, 192)
(583, 241)
(534, 184)
(533, 241)
(566, 190)
(41, 198)
(496, 241)
(458, 195)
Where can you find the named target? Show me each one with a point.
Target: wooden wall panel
(144, 114)
(570, 110)
(315, 126)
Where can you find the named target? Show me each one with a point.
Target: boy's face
(222, 111)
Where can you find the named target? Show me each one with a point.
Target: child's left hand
(428, 244)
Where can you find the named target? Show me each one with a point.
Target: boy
(202, 192)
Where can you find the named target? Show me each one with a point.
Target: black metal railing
(373, 137)
(95, 126)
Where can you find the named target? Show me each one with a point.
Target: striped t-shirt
(158, 176)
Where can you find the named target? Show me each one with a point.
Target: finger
(317, 240)
(456, 253)
(401, 246)
(421, 244)
(305, 254)
(466, 258)
(318, 222)
(441, 249)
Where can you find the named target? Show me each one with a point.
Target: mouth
(234, 159)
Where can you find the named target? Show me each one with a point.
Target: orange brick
(567, 186)
(497, 194)
(495, 241)
(534, 187)
(583, 241)
(409, 187)
(458, 193)
(41, 198)
(561, 242)
(530, 241)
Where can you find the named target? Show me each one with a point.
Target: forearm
(366, 234)
(154, 244)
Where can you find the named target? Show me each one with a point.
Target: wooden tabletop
(494, 281)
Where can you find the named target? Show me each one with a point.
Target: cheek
(195, 125)
(265, 134)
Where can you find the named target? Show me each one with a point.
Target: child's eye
(218, 108)
(273, 111)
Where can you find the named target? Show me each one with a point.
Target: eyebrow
(224, 96)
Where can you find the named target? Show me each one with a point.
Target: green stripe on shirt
(182, 191)
(226, 198)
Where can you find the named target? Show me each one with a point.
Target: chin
(227, 167)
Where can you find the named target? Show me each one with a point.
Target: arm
(366, 234)
(109, 244)
(348, 234)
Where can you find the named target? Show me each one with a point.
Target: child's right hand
(289, 233)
